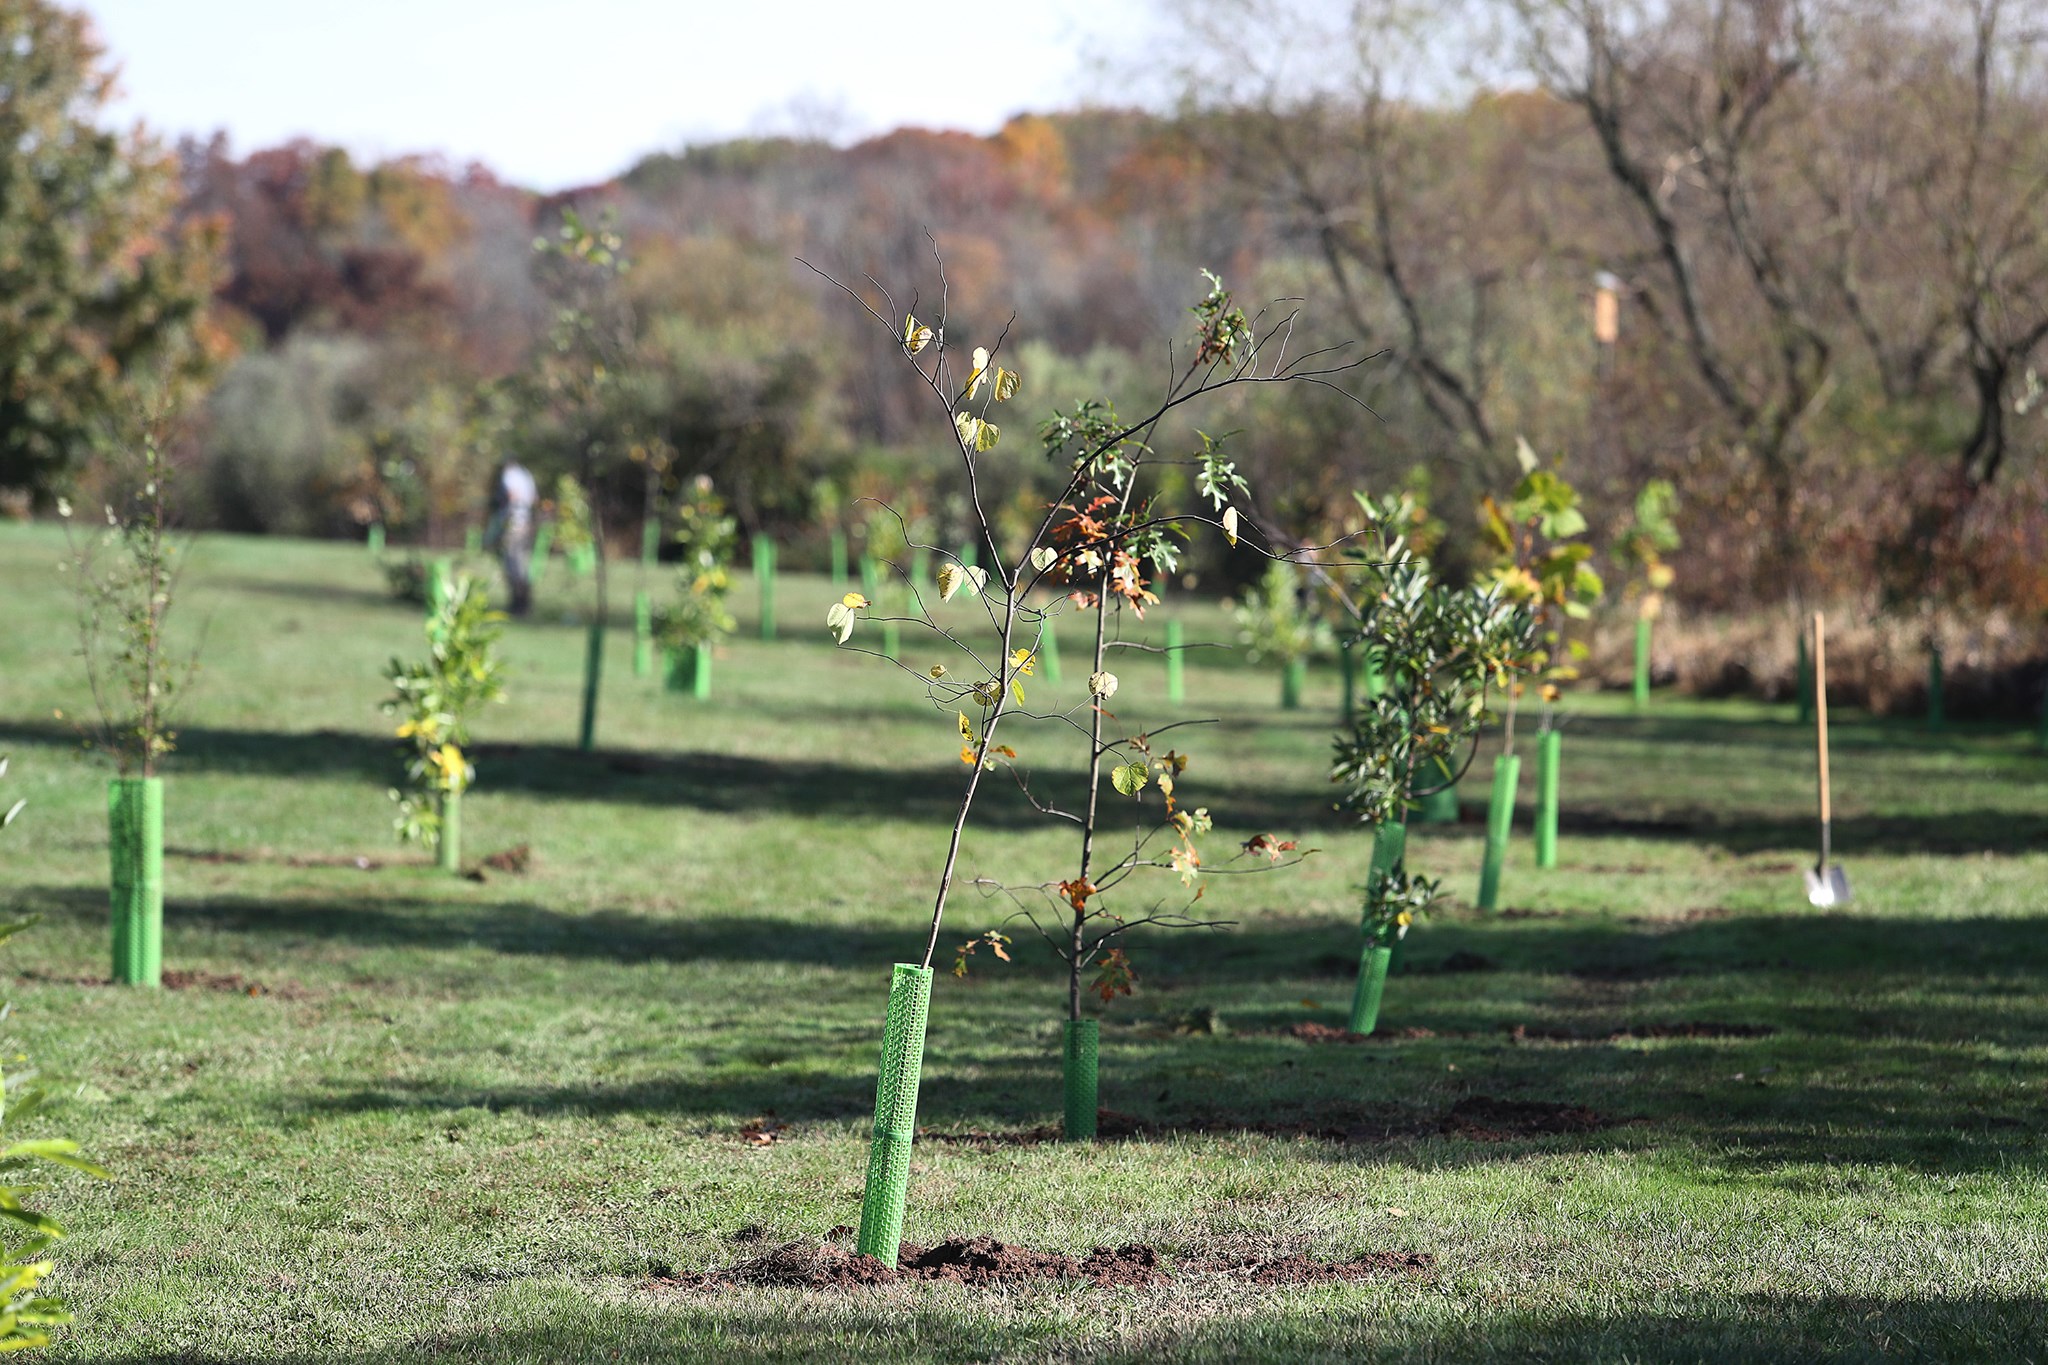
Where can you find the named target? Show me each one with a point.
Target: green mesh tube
(135, 845)
(1500, 823)
(1803, 685)
(764, 575)
(643, 634)
(593, 676)
(1176, 678)
(839, 561)
(1083, 1046)
(1049, 652)
(1549, 757)
(1937, 704)
(374, 538)
(1292, 676)
(700, 674)
(1642, 678)
(1389, 851)
(1372, 984)
(543, 545)
(448, 848)
(881, 1206)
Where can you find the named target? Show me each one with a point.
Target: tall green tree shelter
(100, 282)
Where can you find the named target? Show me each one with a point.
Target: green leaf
(1129, 778)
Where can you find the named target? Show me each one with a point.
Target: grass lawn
(465, 1120)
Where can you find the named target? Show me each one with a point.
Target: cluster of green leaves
(1442, 651)
(125, 577)
(1651, 534)
(26, 1313)
(706, 539)
(437, 697)
(574, 532)
(1276, 621)
(1540, 556)
(1394, 899)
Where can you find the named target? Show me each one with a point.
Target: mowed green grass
(474, 1121)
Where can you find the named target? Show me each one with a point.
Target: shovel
(1825, 885)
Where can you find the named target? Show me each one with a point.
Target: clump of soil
(1690, 1029)
(1482, 1118)
(1311, 1032)
(515, 860)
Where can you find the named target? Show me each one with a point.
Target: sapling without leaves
(437, 698)
(126, 577)
(1442, 652)
(1099, 546)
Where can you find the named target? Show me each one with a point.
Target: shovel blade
(1827, 886)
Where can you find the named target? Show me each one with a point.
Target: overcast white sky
(551, 93)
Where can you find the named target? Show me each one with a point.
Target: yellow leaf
(854, 601)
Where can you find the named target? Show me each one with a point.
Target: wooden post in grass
(643, 634)
(1500, 823)
(1176, 677)
(1549, 756)
(764, 577)
(1642, 676)
(1937, 704)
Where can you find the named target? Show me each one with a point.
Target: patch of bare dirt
(230, 983)
(1522, 1033)
(1482, 1118)
(515, 860)
(984, 1261)
(1311, 1032)
(1307, 1270)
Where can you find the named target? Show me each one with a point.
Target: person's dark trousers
(516, 556)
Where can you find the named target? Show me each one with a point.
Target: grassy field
(480, 1120)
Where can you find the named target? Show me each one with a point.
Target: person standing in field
(513, 494)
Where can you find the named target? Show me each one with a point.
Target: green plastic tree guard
(1937, 705)
(870, 578)
(839, 561)
(1292, 675)
(543, 546)
(888, 1183)
(448, 849)
(1348, 666)
(1389, 850)
(593, 675)
(1375, 685)
(1500, 823)
(439, 574)
(1372, 984)
(688, 669)
(1642, 678)
(473, 541)
(892, 640)
(1805, 682)
(1049, 652)
(375, 538)
(1438, 807)
(650, 541)
(135, 845)
(584, 560)
(970, 557)
(764, 575)
(643, 634)
(1549, 753)
(1079, 1059)
(920, 568)
(1176, 675)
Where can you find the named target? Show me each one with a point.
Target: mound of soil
(1690, 1029)
(1482, 1118)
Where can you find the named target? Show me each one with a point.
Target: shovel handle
(1820, 716)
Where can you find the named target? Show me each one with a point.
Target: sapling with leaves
(1541, 558)
(696, 618)
(1650, 534)
(1099, 546)
(1443, 653)
(1276, 621)
(125, 575)
(26, 1313)
(437, 698)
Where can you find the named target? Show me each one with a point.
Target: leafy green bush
(706, 539)
(1275, 621)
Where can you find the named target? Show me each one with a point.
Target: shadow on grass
(731, 784)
